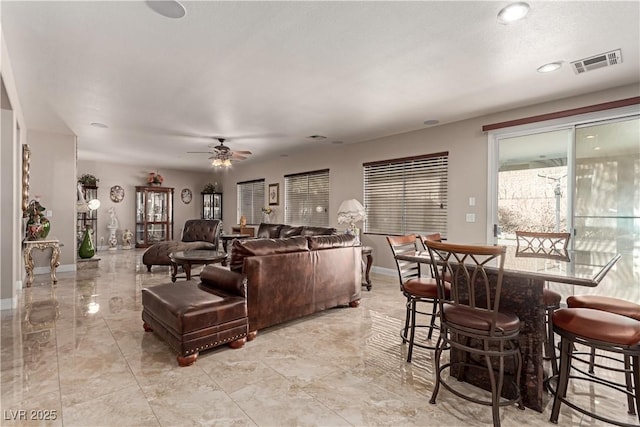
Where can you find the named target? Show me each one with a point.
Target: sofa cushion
(245, 248)
(268, 231)
(318, 231)
(290, 231)
(333, 241)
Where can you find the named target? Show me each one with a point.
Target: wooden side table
(196, 257)
(367, 252)
(54, 262)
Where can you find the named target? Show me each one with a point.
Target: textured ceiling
(266, 75)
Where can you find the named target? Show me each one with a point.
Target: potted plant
(38, 225)
(210, 188)
(88, 180)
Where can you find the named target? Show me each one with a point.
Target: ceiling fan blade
(243, 152)
(237, 156)
(199, 152)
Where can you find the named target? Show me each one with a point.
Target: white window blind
(408, 195)
(251, 200)
(306, 198)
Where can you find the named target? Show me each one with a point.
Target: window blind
(408, 195)
(306, 198)
(251, 196)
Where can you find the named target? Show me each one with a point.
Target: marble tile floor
(80, 357)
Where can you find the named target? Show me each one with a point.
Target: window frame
(404, 214)
(317, 218)
(255, 216)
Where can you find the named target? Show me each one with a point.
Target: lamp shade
(351, 211)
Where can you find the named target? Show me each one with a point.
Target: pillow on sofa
(290, 231)
(318, 231)
(268, 231)
(244, 248)
(333, 241)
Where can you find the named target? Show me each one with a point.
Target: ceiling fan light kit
(221, 155)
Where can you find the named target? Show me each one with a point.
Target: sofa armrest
(217, 278)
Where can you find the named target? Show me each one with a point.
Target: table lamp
(350, 212)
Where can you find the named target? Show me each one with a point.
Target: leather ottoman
(195, 317)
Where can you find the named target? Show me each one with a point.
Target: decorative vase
(46, 227)
(86, 249)
(34, 230)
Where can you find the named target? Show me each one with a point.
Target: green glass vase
(86, 249)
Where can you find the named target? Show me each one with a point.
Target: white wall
(468, 153)
(53, 178)
(13, 133)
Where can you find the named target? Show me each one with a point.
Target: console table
(54, 262)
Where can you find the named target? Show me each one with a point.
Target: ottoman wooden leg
(187, 360)
(252, 335)
(238, 343)
(146, 327)
(355, 303)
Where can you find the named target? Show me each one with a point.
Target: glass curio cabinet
(154, 215)
(212, 206)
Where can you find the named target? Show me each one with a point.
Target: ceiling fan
(221, 155)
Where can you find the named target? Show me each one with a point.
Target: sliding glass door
(580, 177)
(532, 184)
(607, 180)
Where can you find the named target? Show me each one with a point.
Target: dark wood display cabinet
(154, 215)
(212, 206)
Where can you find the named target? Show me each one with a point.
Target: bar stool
(473, 325)
(416, 289)
(611, 305)
(596, 329)
(543, 245)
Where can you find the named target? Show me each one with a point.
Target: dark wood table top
(195, 256)
(234, 236)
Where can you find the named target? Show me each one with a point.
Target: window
(408, 195)
(251, 200)
(306, 198)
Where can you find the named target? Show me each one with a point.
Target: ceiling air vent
(603, 60)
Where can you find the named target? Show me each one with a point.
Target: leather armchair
(197, 234)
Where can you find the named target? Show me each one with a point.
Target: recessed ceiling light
(167, 8)
(431, 122)
(284, 155)
(552, 66)
(596, 148)
(513, 12)
(317, 137)
(590, 136)
(337, 142)
(99, 125)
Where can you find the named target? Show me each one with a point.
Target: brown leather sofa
(196, 234)
(293, 277)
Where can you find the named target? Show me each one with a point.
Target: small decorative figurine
(126, 239)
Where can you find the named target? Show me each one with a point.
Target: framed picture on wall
(274, 194)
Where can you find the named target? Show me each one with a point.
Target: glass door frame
(493, 140)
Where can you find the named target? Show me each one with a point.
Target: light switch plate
(471, 217)
(472, 201)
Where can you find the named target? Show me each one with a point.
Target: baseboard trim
(60, 269)
(8, 303)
